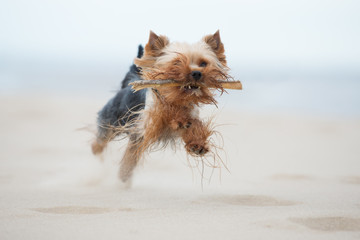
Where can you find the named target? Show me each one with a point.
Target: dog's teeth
(190, 87)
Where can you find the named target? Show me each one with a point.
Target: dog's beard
(191, 91)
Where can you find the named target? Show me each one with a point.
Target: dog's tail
(134, 73)
(140, 51)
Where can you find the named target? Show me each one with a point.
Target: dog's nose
(196, 75)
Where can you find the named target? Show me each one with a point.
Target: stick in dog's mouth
(142, 84)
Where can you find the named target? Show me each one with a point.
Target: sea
(327, 93)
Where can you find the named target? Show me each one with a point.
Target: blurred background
(290, 139)
(292, 56)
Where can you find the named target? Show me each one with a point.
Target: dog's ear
(156, 44)
(214, 41)
(153, 49)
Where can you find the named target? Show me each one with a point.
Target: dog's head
(197, 66)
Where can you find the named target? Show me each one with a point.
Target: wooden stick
(141, 84)
(236, 85)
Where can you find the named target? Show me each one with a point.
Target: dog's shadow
(248, 200)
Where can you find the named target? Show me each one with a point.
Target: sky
(288, 54)
(316, 33)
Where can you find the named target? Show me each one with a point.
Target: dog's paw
(175, 125)
(97, 148)
(197, 149)
(186, 125)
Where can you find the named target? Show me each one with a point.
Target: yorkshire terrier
(175, 80)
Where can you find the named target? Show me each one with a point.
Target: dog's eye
(203, 64)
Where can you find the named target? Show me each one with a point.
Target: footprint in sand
(351, 180)
(290, 177)
(329, 224)
(79, 210)
(251, 200)
(5, 179)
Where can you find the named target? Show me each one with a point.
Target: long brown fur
(172, 115)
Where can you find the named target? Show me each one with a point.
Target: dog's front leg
(180, 118)
(196, 138)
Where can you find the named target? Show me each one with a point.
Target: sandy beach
(289, 141)
(290, 177)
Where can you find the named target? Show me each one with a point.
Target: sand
(290, 177)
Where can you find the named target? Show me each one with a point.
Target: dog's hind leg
(130, 159)
(103, 136)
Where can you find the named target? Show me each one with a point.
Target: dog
(164, 114)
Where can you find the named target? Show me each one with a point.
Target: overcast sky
(307, 32)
